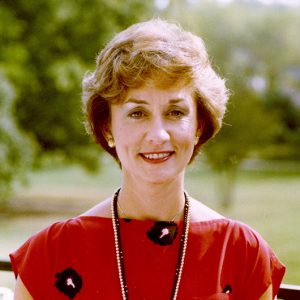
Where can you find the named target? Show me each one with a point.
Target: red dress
(75, 259)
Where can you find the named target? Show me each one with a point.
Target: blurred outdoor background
(51, 170)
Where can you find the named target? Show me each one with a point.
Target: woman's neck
(154, 201)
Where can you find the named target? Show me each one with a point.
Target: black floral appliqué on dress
(68, 282)
(227, 289)
(163, 233)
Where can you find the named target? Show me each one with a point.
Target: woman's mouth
(157, 157)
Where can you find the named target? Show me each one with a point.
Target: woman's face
(154, 132)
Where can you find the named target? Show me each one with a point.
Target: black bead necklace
(120, 254)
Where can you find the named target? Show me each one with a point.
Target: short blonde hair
(153, 52)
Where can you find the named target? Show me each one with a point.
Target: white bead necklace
(120, 254)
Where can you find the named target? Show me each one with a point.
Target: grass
(267, 200)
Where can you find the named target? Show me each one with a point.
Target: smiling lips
(157, 157)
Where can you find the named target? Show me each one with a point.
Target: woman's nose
(157, 132)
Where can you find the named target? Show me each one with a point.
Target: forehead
(152, 94)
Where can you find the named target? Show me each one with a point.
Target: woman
(152, 102)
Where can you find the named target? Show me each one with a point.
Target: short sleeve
(33, 262)
(261, 264)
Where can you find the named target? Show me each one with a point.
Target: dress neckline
(149, 221)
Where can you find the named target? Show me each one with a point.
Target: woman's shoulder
(206, 220)
(102, 209)
(87, 223)
(202, 213)
(79, 230)
(96, 217)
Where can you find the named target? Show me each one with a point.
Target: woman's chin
(161, 177)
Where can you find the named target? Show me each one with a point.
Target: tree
(246, 129)
(254, 47)
(54, 44)
(46, 47)
(16, 149)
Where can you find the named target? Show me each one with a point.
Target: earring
(196, 139)
(111, 142)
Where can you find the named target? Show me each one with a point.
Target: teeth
(156, 155)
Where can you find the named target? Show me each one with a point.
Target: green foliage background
(46, 46)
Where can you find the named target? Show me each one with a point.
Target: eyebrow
(137, 101)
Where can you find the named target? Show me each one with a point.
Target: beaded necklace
(120, 254)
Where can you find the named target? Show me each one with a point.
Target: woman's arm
(21, 292)
(268, 294)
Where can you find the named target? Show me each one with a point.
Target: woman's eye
(176, 113)
(136, 114)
